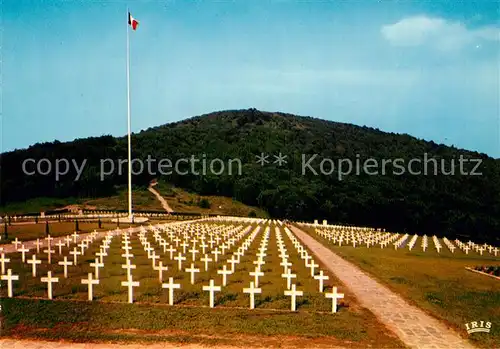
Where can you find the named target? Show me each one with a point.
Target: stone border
(482, 273)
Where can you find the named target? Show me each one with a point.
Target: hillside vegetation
(465, 206)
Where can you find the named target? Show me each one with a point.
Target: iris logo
(478, 326)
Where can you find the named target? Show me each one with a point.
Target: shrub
(204, 203)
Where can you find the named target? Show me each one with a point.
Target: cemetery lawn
(108, 317)
(121, 322)
(437, 283)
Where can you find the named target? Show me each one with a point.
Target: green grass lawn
(436, 282)
(71, 316)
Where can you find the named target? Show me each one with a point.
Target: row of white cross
(370, 237)
(309, 263)
(50, 279)
(230, 236)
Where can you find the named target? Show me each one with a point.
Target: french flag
(132, 21)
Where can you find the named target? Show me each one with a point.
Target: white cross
(16, 242)
(256, 274)
(184, 246)
(96, 266)
(170, 286)
(90, 281)
(9, 277)
(177, 240)
(160, 269)
(49, 280)
(259, 262)
(203, 246)
(224, 246)
(216, 253)
(149, 250)
(49, 239)
(495, 250)
(60, 244)
(179, 258)
(38, 244)
(65, 263)
(334, 296)
(128, 266)
(194, 252)
(3, 260)
(154, 257)
(212, 289)
(466, 249)
(233, 261)
(206, 259)
(261, 255)
(130, 284)
(192, 271)
(288, 276)
(23, 251)
(127, 255)
(68, 240)
(75, 236)
(33, 261)
(49, 252)
(313, 265)
(321, 278)
(224, 272)
(293, 293)
(285, 264)
(252, 290)
(74, 253)
(171, 250)
(101, 254)
(82, 246)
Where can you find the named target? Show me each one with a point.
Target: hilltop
(456, 205)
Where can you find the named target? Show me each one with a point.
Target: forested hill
(456, 205)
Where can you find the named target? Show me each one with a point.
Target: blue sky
(426, 68)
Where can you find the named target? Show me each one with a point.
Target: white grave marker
(334, 296)
(293, 293)
(9, 277)
(90, 282)
(49, 280)
(252, 291)
(212, 289)
(171, 286)
(33, 261)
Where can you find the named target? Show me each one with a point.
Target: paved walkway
(412, 325)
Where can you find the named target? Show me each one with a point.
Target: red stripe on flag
(132, 21)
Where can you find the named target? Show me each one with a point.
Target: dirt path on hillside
(412, 325)
(163, 202)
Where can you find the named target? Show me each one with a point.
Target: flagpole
(128, 122)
